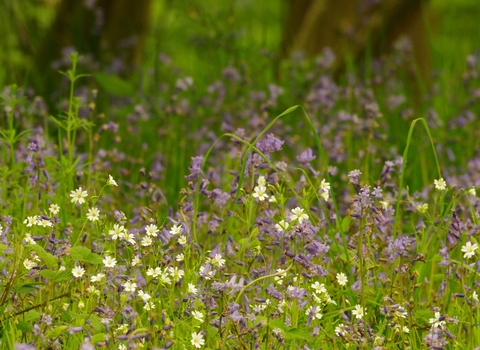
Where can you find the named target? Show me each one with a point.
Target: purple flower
(269, 144)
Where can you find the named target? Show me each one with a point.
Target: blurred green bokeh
(201, 38)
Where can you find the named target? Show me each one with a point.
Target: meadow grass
(227, 211)
(347, 222)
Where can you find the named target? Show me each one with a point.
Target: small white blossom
(197, 340)
(198, 315)
(315, 313)
(146, 241)
(78, 195)
(182, 240)
(260, 193)
(261, 181)
(78, 271)
(440, 184)
(282, 226)
(342, 279)
(28, 238)
(192, 289)
(130, 286)
(144, 296)
(29, 264)
(97, 278)
(358, 312)
(108, 261)
(93, 214)
(437, 320)
(151, 230)
(217, 261)
(469, 249)
(31, 220)
(175, 230)
(298, 214)
(111, 181)
(54, 209)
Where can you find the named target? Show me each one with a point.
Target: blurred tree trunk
(105, 29)
(350, 26)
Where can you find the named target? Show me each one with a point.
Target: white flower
(319, 287)
(175, 230)
(92, 290)
(358, 312)
(108, 261)
(197, 340)
(385, 204)
(118, 231)
(261, 181)
(78, 196)
(111, 181)
(298, 214)
(180, 257)
(29, 264)
(54, 209)
(316, 313)
(78, 271)
(475, 296)
(93, 214)
(176, 273)
(28, 238)
(130, 286)
(164, 278)
(144, 296)
(198, 315)
(469, 249)
(44, 222)
(282, 226)
(440, 184)
(146, 241)
(217, 260)
(325, 195)
(436, 321)
(422, 208)
(149, 306)
(154, 272)
(341, 330)
(192, 289)
(325, 185)
(472, 191)
(280, 277)
(136, 261)
(151, 230)
(31, 220)
(97, 278)
(342, 279)
(182, 240)
(260, 193)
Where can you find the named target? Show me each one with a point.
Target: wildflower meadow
(315, 211)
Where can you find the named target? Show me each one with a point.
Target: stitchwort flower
(78, 196)
(469, 249)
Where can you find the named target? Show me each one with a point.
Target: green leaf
(49, 259)
(48, 274)
(100, 337)
(56, 332)
(24, 327)
(84, 254)
(26, 288)
(296, 333)
(114, 85)
(63, 276)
